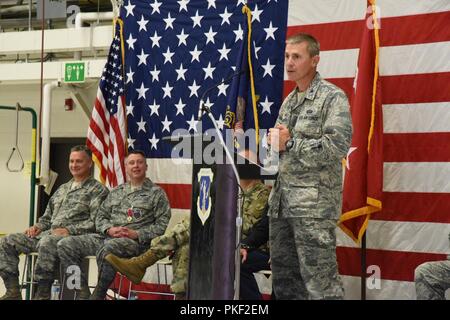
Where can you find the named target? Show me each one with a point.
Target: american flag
(414, 224)
(176, 50)
(107, 131)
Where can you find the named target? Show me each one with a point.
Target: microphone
(202, 108)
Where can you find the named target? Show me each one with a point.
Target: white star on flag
(130, 76)
(155, 39)
(194, 88)
(141, 125)
(131, 41)
(180, 106)
(142, 58)
(209, 71)
(154, 108)
(256, 14)
(155, 5)
(155, 74)
(169, 21)
(167, 90)
(224, 53)
(196, 20)
(268, 68)
(130, 109)
(154, 142)
(270, 31)
(182, 38)
(183, 5)
(142, 24)
(142, 90)
(180, 72)
(166, 125)
(192, 124)
(266, 106)
(129, 8)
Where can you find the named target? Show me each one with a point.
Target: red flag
(364, 164)
(107, 131)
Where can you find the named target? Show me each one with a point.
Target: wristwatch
(289, 144)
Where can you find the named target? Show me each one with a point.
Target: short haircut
(82, 147)
(313, 44)
(136, 151)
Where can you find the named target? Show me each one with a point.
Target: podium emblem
(205, 178)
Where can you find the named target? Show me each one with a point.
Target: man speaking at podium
(312, 134)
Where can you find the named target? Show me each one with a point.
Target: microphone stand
(237, 255)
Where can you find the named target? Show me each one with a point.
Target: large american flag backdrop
(414, 68)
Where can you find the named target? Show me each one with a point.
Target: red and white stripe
(415, 77)
(106, 138)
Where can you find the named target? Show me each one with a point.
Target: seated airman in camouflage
(176, 242)
(131, 216)
(432, 279)
(70, 211)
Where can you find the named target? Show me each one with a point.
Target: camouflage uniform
(177, 239)
(255, 202)
(432, 279)
(305, 202)
(73, 208)
(151, 214)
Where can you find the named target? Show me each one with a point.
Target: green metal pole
(33, 174)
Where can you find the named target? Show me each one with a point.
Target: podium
(212, 245)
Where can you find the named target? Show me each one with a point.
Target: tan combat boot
(12, 289)
(134, 268)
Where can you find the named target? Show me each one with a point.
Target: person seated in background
(130, 217)
(176, 241)
(432, 279)
(70, 211)
(255, 257)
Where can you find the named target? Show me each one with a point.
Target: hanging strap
(16, 146)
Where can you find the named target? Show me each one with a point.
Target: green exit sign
(74, 72)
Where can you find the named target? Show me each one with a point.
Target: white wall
(15, 187)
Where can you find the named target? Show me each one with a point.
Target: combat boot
(134, 268)
(43, 290)
(12, 289)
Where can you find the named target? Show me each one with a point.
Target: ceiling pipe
(89, 16)
(44, 178)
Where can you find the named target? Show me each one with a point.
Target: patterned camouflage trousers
(432, 279)
(175, 239)
(303, 259)
(14, 244)
(73, 249)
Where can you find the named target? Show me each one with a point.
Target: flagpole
(363, 267)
